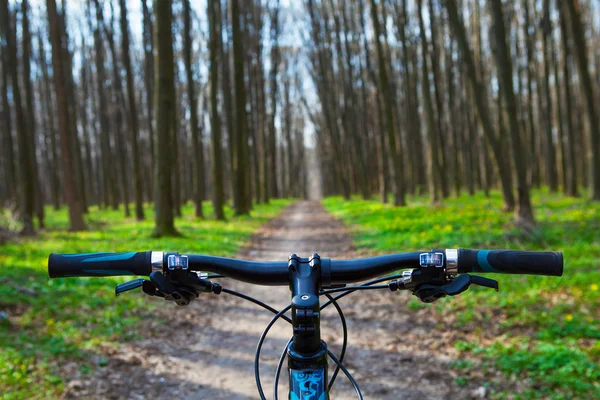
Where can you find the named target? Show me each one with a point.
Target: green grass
(541, 331)
(70, 319)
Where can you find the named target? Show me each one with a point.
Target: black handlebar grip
(99, 264)
(511, 262)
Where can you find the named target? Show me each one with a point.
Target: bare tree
(132, 116)
(215, 122)
(70, 182)
(164, 108)
(198, 156)
(524, 210)
(386, 94)
(26, 171)
(587, 88)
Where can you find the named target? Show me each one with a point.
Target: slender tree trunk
(524, 211)
(176, 167)
(385, 89)
(242, 148)
(574, 11)
(164, 108)
(119, 102)
(85, 79)
(441, 143)
(26, 173)
(433, 163)
(70, 182)
(198, 159)
(148, 41)
(7, 138)
(571, 168)
(50, 135)
(133, 121)
(272, 141)
(534, 166)
(216, 150)
(550, 156)
(38, 195)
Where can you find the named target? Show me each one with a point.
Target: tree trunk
(534, 166)
(164, 108)
(118, 103)
(148, 41)
(38, 195)
(523, 211)
(197, 156)
(133, 121)
(573, 7)
(26, 172)
(550, 156)
(70, 183)
(7, 139)
(272, 141)
(50, 134)
(241, 134)
(441, 143)
(433, 163)
(215, 121)
(571, 167)
(385, 90)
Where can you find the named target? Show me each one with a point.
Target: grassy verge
(50, 322)
(540, 333)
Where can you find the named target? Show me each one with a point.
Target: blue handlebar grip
(99, 264)
(511, 262)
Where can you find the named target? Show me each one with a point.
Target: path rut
(206, 351)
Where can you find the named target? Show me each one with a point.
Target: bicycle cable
(255, 301)
(348, 375)
(259, 347)
(344, 342)
(371, 282)
(278, 371)
(353, 288)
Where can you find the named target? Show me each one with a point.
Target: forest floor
(538, 337)
(207, 350)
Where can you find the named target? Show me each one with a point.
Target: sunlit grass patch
(556, 318)
(54, 320)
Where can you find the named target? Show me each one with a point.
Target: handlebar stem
(307, 354)
(305, 282)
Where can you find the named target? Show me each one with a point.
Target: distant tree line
(445, 96)
(190, 112)
(403, 98)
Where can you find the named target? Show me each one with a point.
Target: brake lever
(124, 287)
(180, 286)
(430, 293)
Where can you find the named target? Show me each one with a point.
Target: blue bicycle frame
(308, 384)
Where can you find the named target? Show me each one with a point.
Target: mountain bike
(430, 276)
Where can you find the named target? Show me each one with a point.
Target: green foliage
(64, 319)
(553, 321)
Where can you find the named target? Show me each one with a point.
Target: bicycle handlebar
(99, 264)
(510, 262)
(333, 272)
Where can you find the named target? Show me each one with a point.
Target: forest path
(206, 351)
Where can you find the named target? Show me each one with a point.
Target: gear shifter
(430, 293)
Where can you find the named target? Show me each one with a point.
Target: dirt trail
(206, 351)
